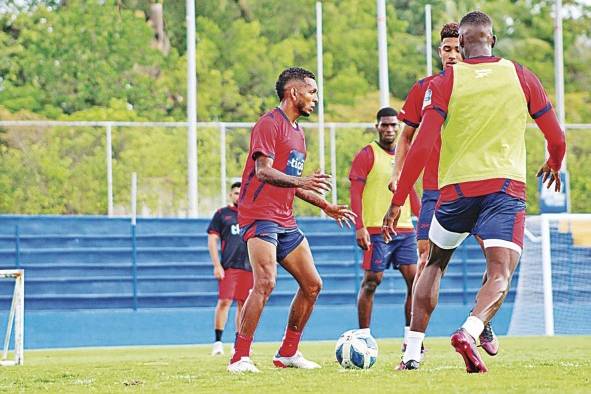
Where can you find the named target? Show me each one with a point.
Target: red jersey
(435, 112)
(275, 137)
(412, 114)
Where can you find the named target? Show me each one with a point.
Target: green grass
(534, 365)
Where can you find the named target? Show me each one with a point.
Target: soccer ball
(356, 350)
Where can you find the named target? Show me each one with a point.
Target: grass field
(536, 365)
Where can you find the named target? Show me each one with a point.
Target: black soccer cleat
(410, 364)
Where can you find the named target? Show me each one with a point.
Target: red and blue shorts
(498, 219)
(428, 202)
(285, 239)
(236, 285)
(402, 250)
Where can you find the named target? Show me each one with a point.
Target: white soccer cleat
(295, 361)
(218, 349)
(243, 365)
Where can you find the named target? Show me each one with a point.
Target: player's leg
(369, 284)
(374, 263)
(404, 258)
(221, 316)
(262, 252)
(300, 264)
(243, 287)
(488, 339)
(423, 251)
(428, 202)
(501, 225)
(450, 226)
(226, 288)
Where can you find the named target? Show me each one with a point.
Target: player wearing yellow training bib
(480, 109)
(370, 174)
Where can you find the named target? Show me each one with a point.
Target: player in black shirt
(233, 272)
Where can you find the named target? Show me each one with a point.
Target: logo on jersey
(427, 99)
(235, 229)
(295, 163)
(482, 73)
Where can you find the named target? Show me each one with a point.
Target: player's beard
(302, 110)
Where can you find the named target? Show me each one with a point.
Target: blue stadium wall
(84, 289)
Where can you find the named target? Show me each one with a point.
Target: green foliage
(97, 60)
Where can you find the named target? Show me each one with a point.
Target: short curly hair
(476, 18)
(450, 30)
(290, 74)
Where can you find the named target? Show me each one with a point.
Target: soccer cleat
(423, 351)
(466, 346)
(409, 365)
(218, 349)
(489, 341)
(295, 361)
(243, 365)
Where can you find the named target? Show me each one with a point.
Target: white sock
(474, 326)
(413, 346)
(406, 331)
(364, 331)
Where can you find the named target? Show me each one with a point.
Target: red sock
(291, 340)
(241, 347)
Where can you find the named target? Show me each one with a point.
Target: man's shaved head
(476, 18)
(476, 35)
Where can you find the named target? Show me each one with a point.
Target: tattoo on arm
(267, 174)
(312, 198)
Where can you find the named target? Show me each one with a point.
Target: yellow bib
(376, 196)
(483, 136)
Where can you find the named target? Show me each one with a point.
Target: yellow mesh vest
(483, 136)
(376, 196)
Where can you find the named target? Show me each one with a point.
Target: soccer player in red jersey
(411, 115)
(369, 175)
(479, 108)
(233, 272)
(271, 179)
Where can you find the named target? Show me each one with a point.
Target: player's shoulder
(424, 83)
(365, 153)
(272, 117)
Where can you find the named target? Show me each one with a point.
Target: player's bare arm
(402, 147)
(340, 213)
(212, 245)
(317, 182)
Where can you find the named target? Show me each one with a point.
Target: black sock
(218, 335)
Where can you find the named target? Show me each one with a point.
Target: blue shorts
(497, 218)
(402, 250)
(285, 239)
(428, 202)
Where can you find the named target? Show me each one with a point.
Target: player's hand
(218, 272)
(393, 184)
(317, 182)
(547, 173)
(363, 239)
(340, 213)
(390, 222)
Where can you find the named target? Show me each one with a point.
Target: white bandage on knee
(443, 238)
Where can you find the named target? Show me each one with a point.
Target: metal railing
(224, 128)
